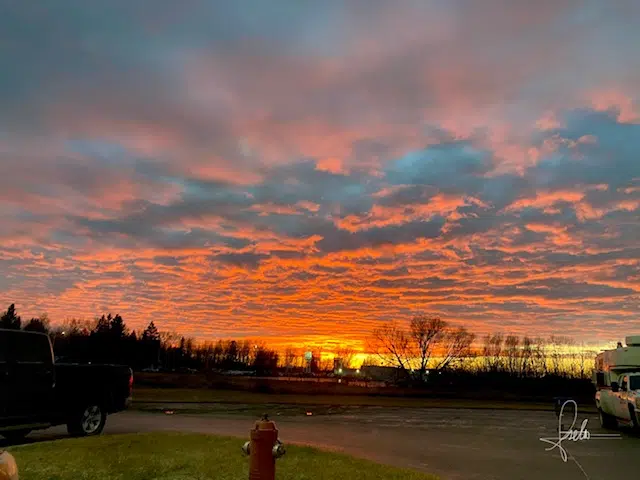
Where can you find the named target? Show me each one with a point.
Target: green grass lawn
(175, 456)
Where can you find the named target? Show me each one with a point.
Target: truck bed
(76, 381)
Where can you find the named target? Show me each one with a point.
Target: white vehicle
(617, 381)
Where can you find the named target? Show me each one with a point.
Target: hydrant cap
(265, 424)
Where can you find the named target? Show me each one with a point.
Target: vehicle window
(28, 348)
(623, 385)
(634, 383)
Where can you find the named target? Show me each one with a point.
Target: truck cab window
(29, 349)
(623, 384)
(634, 383)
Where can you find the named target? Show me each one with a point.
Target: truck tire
(87, 421)
(607, 421)
(14, 436)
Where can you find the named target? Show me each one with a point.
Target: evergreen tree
(151, 345)
(117, 327)
(151, 333)
(10, 320)
(37, 325)
(103, 325)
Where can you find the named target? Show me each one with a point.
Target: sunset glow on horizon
(302, 172)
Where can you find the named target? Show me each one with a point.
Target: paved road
(456, 444)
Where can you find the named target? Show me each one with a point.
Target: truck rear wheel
(607, 421)
(87, 421)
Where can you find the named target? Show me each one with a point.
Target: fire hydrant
(8, 466)
(263, 449)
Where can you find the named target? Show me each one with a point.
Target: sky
(303, 172)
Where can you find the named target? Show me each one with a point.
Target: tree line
(418, 348)
(107, 339)
(428, 344)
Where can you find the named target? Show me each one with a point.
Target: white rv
(617, 381)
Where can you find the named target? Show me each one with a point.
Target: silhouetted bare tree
(428, 343)
(539, 358)
(512, 354)
(557, 348)
(526, 355)
(492, 352)
(455, 345)
(391, 344)
(426, 332)
(289, 359)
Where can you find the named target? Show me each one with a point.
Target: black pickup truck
(36, 392)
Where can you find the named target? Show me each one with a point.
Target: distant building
(341, 371)
(382, 374)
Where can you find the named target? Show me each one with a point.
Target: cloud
(340, 240)
(304, 172)
(250, 260)
(609, 156)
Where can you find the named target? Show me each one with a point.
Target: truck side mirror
(614, 386)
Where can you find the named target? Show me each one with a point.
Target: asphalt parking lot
(455, 444)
